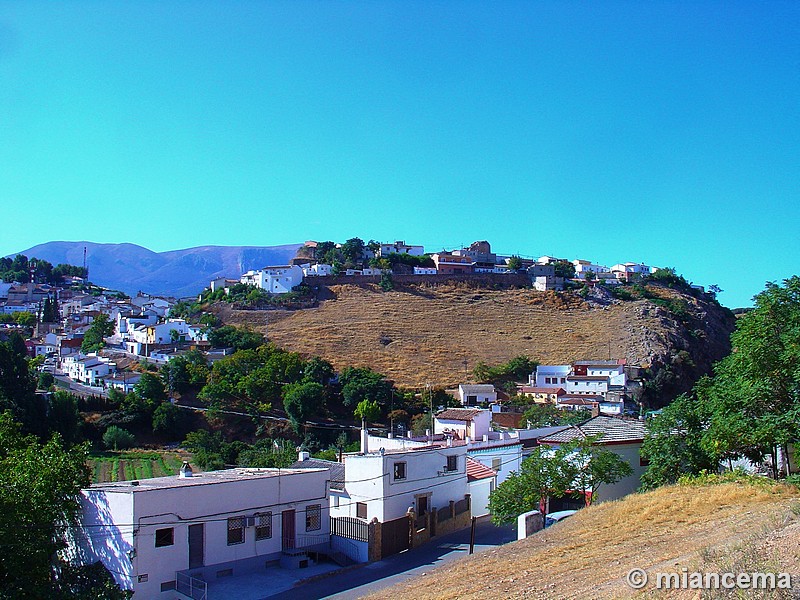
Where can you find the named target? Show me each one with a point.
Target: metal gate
(395, 536)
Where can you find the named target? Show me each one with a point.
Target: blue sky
(662, 132)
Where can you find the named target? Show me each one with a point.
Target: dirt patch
(438, 334)
(588, 555)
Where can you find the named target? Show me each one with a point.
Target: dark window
(361, 510)
(399, 470)
(264, 526)
(452, 463)
(165, 537)
(166, 586)
(235, 531)
(313, 517)
(472, 399)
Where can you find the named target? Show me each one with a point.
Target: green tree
(18, 387)
(238, 338)
(45, 380)
(368, 411)
(116, 438)
(169, 419)
(514, 263)
(318, 370)
(102, 326)
(353, 251)
(546, 472)
(150, 388)
(755, 391)
(548, 415)
(39, 500)
(596, 466)
(564, 269)
(302, 400)
(64, 418)
(673, 445)
(361, 383)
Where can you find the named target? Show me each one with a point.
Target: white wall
(549, 371)
(509, 457)
(370, 479)
(210, 504)
(479, 496)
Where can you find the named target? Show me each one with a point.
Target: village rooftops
(459, 414)
(205, 478)
(610, 430)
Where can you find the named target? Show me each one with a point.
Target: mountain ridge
(183, 272)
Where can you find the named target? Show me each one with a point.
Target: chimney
(186, 470)
(364, 438)
(485, 437)
(595, 409)
(303, 455)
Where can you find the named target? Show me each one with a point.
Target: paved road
(361, 581)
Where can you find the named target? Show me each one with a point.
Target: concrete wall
(529, 523)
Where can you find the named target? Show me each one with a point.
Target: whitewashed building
(400, 247)
(275, 280)
(471, 394)
(384, 482)
(154, 535)
(624, 437)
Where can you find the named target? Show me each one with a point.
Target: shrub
(116, 438)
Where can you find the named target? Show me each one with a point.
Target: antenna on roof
(85, 270)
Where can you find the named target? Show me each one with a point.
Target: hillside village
(404, 481)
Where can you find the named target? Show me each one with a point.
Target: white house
(275, 280)
(88, 370)
(425, 271)
(154, 534)
(384, 483)
(317, 270)
(629, 270)
(400, 247)
(472, 394)
(463, 423)
(624, 437)
(550, 376)
(584, 267)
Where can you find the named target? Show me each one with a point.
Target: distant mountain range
(132, 268)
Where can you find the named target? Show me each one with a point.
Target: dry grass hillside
(424, 334)
(731, 527)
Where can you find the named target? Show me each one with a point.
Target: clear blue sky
(662, 132)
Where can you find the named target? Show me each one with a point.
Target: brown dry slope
(424, 334)
(719, 528)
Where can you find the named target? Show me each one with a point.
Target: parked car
(559, 515)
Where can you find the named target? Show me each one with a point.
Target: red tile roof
(459, 414)
(477, 470)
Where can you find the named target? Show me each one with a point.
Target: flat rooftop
(204, 478)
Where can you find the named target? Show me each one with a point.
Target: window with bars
(452, 463)
(361, 510)
(264, 526)
(313, 517)
(236, 530)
